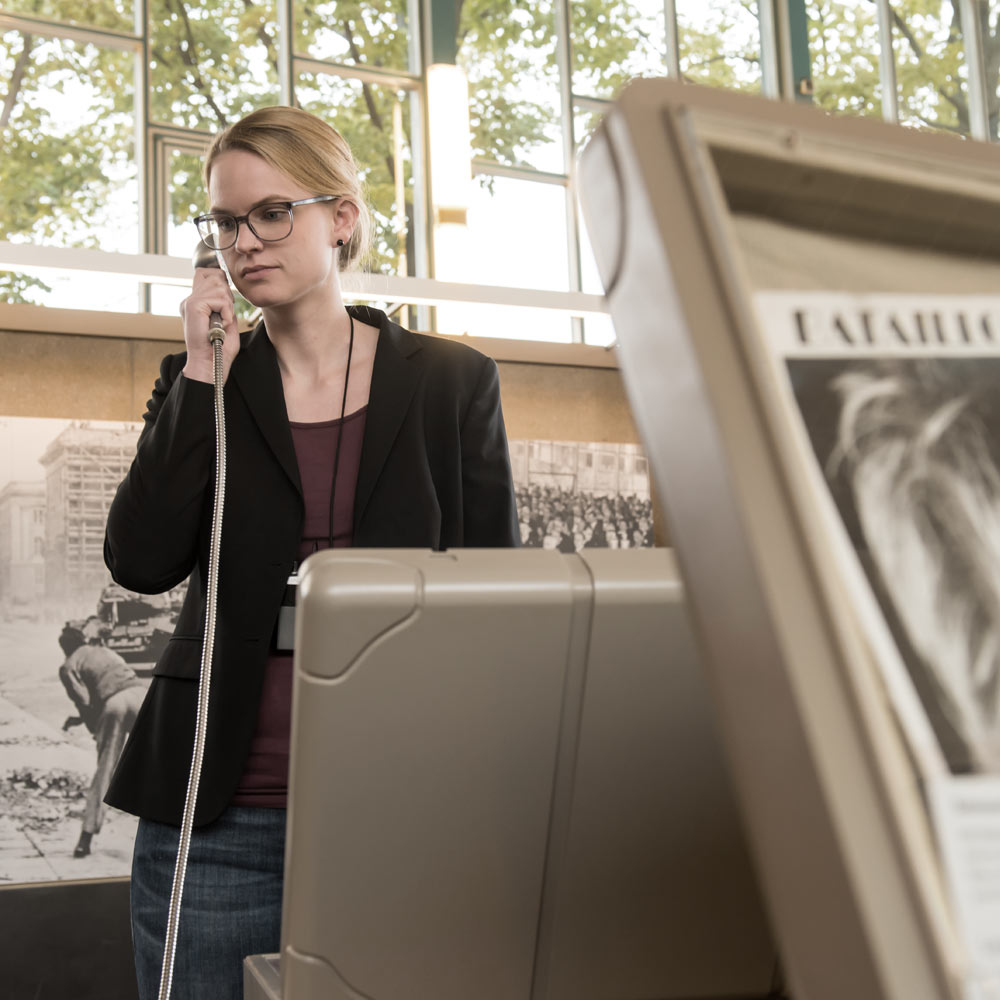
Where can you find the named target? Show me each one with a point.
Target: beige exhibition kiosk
(506, 781)
(702, 205)
(506, 785)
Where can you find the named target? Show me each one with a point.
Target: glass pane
(599, 331)
(596, 329)
(365, 33)
(71, 290)
(119, 15)
(508, 322)
(990, 24)
(508, 51)
(165, 300)
(585, 123)
(187, 199)
(490, 252)
(212, 63)
(376, 122)
(614, 42)
(932, 76)
(720, 43)
(67, 156)
(495, 250)
(844, 55)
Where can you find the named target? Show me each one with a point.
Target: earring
(340, 243)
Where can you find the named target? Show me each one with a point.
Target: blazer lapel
(256, 376)
(395, 374)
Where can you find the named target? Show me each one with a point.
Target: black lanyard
(340, 429)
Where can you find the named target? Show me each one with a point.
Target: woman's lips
(257, 272)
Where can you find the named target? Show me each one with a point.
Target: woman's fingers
(210, 293)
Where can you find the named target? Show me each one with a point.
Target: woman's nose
(247, 239)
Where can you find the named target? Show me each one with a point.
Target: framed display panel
(742, 241)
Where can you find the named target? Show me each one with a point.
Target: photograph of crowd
(577, 495)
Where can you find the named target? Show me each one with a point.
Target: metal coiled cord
(201, 721)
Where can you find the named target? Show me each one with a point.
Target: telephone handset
(205, 257)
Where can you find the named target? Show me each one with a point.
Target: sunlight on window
(931, 70)
(516, 235)
(210, 64)
(71, 290)
(507, 322)
(365, 115)
(366, 34)
(596, 329)
(118, 15)
(720, 43)
(187, 200)
(508, 54)
(68, 168)
(844, 54)
(615, 42)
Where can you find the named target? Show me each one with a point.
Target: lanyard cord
(340, 428)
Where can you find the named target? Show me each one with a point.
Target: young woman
(342, 429)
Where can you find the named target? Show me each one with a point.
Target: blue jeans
(231, 905)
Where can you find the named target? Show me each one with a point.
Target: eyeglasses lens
(269, 222)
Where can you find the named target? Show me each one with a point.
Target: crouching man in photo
(107, 695)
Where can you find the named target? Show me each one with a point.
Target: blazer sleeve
(155, 519)
(489, 509)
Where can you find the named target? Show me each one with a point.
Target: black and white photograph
(78, 650)
(577, 495)
(910, 449)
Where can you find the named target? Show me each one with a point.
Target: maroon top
(265, 774)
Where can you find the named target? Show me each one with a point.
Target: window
(508, 50)
(117, 15)
(382, 34)
(68, 166)
(614, 42)
(90, 159)
(211, 63)
(720, 43)
(375, 120)
(931, 67)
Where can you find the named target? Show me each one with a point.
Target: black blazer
(435, 473)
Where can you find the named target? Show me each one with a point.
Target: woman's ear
(345, 219)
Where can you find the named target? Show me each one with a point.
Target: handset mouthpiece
(204, 256)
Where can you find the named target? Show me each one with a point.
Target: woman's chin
(259, 297)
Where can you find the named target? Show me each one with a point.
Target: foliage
(722, 48)
(612, 43)
(508, 51)
(67, 122)
(60, 171)
(118, 15)
(929, 60)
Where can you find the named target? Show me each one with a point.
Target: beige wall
(558, 392)
(549, 391)
(86, 378)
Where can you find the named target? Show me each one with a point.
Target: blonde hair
(311, 152)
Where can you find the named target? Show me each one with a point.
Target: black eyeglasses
(270, 223)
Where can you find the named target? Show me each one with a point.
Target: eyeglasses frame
(238, 219)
